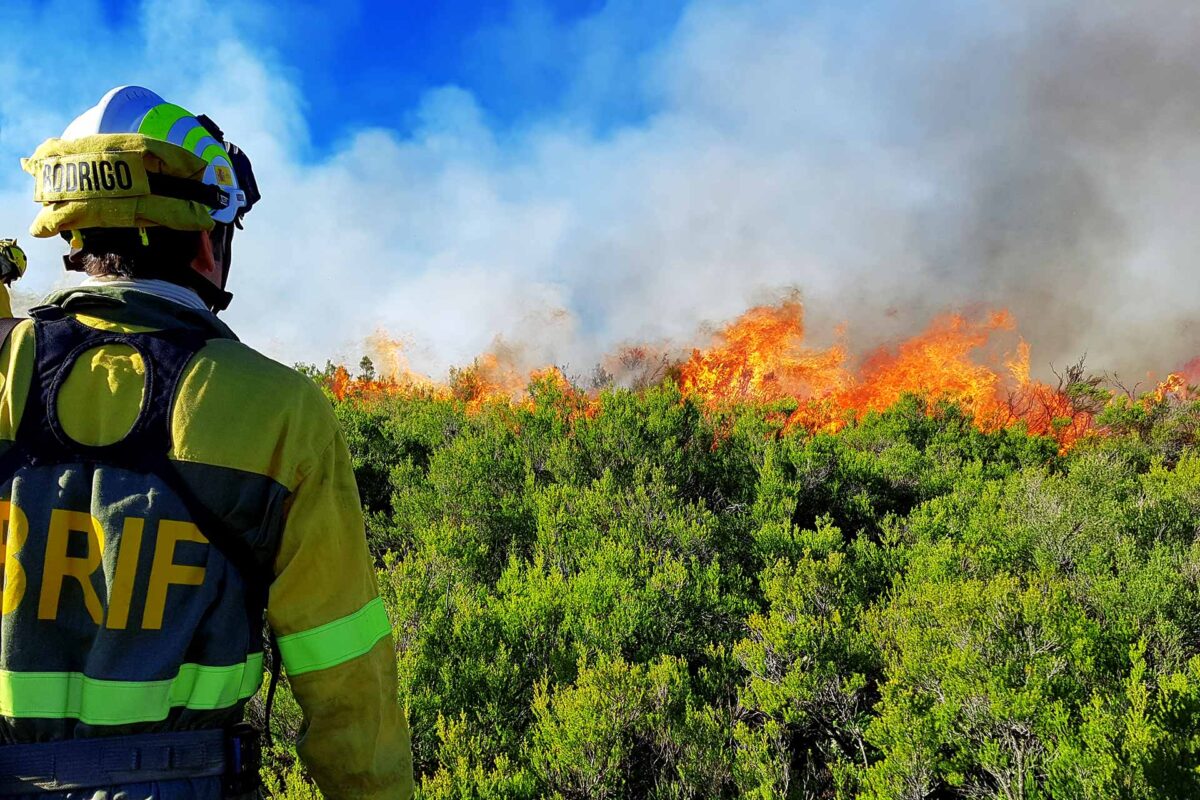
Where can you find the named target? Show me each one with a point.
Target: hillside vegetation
(637, 597)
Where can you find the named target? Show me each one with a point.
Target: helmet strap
(210, 269)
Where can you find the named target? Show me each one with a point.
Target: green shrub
(644, 598)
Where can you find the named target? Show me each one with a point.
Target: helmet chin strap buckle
(222, 301)
(73, 260)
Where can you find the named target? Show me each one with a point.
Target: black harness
(40, 438)
(41, 441)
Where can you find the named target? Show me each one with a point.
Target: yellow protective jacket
(118, 615)
(5, 302)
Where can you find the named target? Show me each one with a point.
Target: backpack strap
(40, 438)
(7, 326)
(13, 458)
(60, 341)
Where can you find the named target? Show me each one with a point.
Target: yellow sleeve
(5, 302)
(336, 640)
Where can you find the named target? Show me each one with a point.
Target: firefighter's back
(122, 446)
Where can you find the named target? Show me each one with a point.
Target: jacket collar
(125, 305)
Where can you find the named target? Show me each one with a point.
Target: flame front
(938, 363)
(389, 374)
(762, 358)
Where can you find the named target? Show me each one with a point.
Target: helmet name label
(90, 176)
(106, 181)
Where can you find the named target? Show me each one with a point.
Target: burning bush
(762, 359)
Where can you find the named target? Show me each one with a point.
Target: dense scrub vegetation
(635, 597)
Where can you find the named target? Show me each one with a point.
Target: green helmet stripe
(194, 136)
(214, 151)
(158, 120)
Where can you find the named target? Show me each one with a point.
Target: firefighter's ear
(204, 262)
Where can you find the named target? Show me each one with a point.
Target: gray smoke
(1063, 142)
(1039, 156)
(889, 160)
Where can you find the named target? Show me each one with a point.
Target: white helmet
(133, 109)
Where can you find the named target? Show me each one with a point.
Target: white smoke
(907, 158)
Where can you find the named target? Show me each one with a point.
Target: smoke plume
(890, 161)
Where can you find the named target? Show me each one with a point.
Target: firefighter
(12, 267)
(165, 485)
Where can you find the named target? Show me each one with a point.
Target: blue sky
(375, 60)
(368, 63)
(559, 178)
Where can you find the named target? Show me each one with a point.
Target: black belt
(115, 760)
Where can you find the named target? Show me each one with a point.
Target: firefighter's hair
(166, 255)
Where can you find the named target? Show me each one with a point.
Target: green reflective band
(158, 120)
(335, 642)
(72, 695)
(213, 151)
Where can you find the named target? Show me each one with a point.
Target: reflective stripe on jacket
(118, 617)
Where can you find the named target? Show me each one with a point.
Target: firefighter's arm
(12, 267)
(336, 641)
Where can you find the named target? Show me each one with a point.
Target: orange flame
(1176, 385)
(938, 364)
(1045, 410)
(762, 358)
(494, 376)
(390, 374)
(1191, 371)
